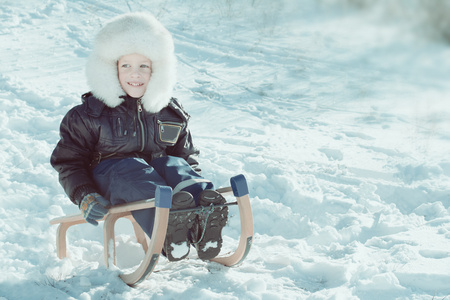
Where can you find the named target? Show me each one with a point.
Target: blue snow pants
(133, 179)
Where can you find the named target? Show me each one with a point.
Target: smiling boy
(129, 136)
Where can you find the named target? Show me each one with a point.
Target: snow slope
(338, 117)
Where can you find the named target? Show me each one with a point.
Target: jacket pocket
(168, 132)
(113, 131)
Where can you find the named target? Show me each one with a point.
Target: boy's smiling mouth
(135, 83)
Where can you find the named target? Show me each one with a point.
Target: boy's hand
(94, 207)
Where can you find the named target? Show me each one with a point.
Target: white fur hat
(126, 34)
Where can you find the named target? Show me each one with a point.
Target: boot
(207, 230)
(177, 244)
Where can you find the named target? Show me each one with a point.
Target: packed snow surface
(338, 116)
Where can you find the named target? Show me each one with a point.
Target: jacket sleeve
(72, 156)
(184, 147)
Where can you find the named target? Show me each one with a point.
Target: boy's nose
(135, 73)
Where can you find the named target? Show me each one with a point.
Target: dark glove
(94, 207)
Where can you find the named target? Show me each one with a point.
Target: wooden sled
(162, 202)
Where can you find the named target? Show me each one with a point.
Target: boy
(129, 136)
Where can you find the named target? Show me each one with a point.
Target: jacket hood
(126, 34)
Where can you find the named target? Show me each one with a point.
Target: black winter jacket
(92, 132)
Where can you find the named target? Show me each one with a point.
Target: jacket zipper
(139, 109)
(120, 128)
(170, 123)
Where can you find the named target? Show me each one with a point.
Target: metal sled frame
(162, 202)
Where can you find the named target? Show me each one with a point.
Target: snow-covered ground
(338, 117)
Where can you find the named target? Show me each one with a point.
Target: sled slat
(225, 191)
(142, 204)
(68, 219)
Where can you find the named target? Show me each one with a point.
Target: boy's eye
(126, 66)
(145, 66)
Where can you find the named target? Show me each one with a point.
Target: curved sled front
(163, 202)
(240, 190)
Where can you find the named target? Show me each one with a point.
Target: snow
(338, 116)
(209, 245)
(178, 250)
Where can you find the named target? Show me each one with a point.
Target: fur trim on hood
(126, 34)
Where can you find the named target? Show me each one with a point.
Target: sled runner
(162, 202)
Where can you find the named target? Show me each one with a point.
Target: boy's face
(134, 72)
